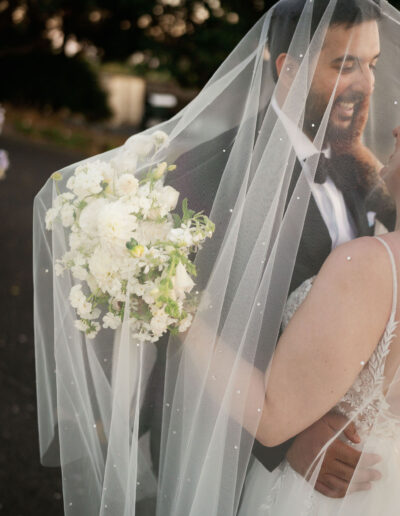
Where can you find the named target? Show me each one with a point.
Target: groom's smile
(346, 67)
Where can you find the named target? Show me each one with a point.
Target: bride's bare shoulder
(361, 270)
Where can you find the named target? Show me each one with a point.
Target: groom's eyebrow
(349, 57)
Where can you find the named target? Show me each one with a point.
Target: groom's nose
(364, 82)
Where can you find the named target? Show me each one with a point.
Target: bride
(283, 149)
(326, 360)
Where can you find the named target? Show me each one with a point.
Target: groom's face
(345, 70)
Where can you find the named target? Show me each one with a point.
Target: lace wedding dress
(285, 493)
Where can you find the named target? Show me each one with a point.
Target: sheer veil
(168, 427)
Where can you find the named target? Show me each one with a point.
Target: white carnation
(67, 215)
(80, 325)
(91, 281)
(181, 236)
(88, 178)
(185, 323)
(103, 268)
(160, 137)
(116, 224)
(141, 145)
(93, 333)
(88, 219)
(159, 322)
(148, 232)
(59, 268)
(125, 161)
(67, 196)
(79, 272)
(51, 215)
(78, 300)
(94, 314)
(111, 321)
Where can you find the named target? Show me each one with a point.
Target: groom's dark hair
(286, 15)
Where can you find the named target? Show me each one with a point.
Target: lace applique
(295, 299)
(365, 399)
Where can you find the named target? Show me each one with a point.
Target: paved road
(26, 488)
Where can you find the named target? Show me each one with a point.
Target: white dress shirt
(328, 197)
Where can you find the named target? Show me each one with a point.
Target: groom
(339, 208)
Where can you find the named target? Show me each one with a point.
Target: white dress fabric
(284, 492)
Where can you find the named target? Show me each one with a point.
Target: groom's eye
(345, 64)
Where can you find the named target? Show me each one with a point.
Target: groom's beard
(314, 112)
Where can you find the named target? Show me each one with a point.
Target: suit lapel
(356, 206)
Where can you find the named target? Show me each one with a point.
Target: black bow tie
(343, 170)
(322, 170)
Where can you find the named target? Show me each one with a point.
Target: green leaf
(173, 330)
(187, 214)
(177, 220)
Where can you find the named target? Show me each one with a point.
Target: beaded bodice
(365, 399)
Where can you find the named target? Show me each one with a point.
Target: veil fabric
(168, 427)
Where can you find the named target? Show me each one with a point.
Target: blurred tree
(186, 38)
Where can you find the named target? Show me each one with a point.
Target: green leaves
(187, 214)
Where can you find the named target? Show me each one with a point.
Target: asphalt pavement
(26, 487)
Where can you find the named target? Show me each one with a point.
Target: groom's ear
(286, 67)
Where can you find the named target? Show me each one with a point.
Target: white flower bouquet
(126, 247)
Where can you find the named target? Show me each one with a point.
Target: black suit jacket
(200, 186)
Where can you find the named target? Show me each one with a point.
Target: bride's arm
(331, 336)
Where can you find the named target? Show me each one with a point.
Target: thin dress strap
(394, 270)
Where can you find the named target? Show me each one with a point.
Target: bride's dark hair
(286, 15)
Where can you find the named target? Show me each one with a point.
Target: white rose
(168, 198)
(127, 184)
(182, 282)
